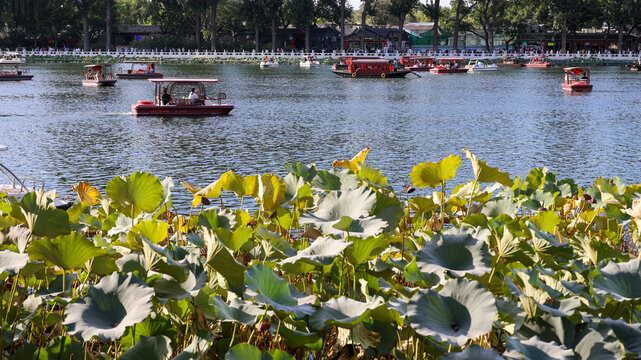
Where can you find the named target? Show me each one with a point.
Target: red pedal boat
(418, 63)
(449, 66)
(577, 79)
(371, 68)
(538, 62)
(168, 102)
(139, 70)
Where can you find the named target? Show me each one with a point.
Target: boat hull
(483, 68)
(15, 77)
(448, 71)
(109, 82)
(422, 68)
(180, 110)
(509, 65)
(538, 66)
(577, 87)
(634, 67)
(388, 75)
(139, 76)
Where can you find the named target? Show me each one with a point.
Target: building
(376, 38)
(129, 34)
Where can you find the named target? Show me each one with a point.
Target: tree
(213, 29)
(461, 10)
(432, 9)
(335, 11)
(622, 13)
(273, 7)
(368, 9)
(491, 15)
(108, 19)
(253, 11)
(400, 9)
(301, 13)
(83, 8)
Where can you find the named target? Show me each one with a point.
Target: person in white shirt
(193, 96)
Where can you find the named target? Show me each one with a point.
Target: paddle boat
(371, 68)
(11, 72)
(635, 67)
(509, 61)
(449, 66)
(19, 186)
(12, 58)
(345, 61)
(538, 62)
(417, 63)
(98, 75)
(268, 62)
(577, 79)
(309, 62)
(479, 65)
(168, 102)
(139, 70)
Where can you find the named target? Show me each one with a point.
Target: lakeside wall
(293, 57)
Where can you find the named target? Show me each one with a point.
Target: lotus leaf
(322, 251)
(598, 343)
(620, 280)
(42, 216)
(154, 231)
(355, 163)
(139, 192)
(458, 251)
(335, 180)
(462, 310)
(628, 334)
(221, 260)
(343, 312)
(18, 235)
(239, 311)
(117, 302)
(485, 173)
(535, 349)
(11, 262)
(87, 194)
(167, 287)
(296, 335)
(269, 192)
(473, 352)
(270, 289)
(435, 173)
(250, 352)
(198, 346)
(151, 348)
(354, 204)
(67, 251)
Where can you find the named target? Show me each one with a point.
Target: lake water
(62, 132)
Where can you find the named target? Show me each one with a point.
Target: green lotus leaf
(306, 172)
(536, 349)
(139, 192)
(473, 352)
(270, 289)
(154, 231)
(461, 311)
(322, 251)
(389, 209)
(511, 315)
(434, 173)
(64, 347)
(296, 335)
(239, 311)
(363, 250)
(18, 235)
(157, 258)
(561, 308)
(117, 302)
(42, 216)
(66, 251)
(355, 204)
(149, 348)
(167, 287)
(458, 251)
(485, 173)
(335, 180)
(211, 219)
(153, 325)
(199, 345)
(250, 352)
(628, 334)
(499, 206)
(221, 260)
(269, 192)
(237, 239)
(620, 280)
(11, 262)
(598, 342)
(343, 312)
(372, 176)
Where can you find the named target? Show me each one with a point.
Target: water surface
(62, 132)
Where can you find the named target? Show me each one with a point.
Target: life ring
(353, 74)
(141, 102)
(382, 75)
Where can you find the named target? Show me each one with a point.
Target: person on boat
(194, 96)
(165, 97)
(395, 64)
(88, 75)
(455, 65)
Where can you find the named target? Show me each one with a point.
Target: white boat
(309, 62)
(269, 62)
(12, 58)
(480, 65)
(20, 186)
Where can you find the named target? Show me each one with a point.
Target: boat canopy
(96, 67)
(139, 62)
(576, 70)
(370, 62)
(3, 148)
(182, 80)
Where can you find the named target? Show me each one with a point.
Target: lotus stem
(469, 204)
(233, 335)
(13, 291)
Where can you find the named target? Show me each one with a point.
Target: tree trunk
(256, 37)
(620, 38)
(457, 21)
(212, 25)
(363, 20)
(273, 17)
(85, 29)
(108, 20)
(490, 40)
(198, 34)
(343, 24)
(401, 22)
(307, 36)
(437, 14)
(564, 34)
(487, 39)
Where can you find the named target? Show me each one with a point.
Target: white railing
(228, 55)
